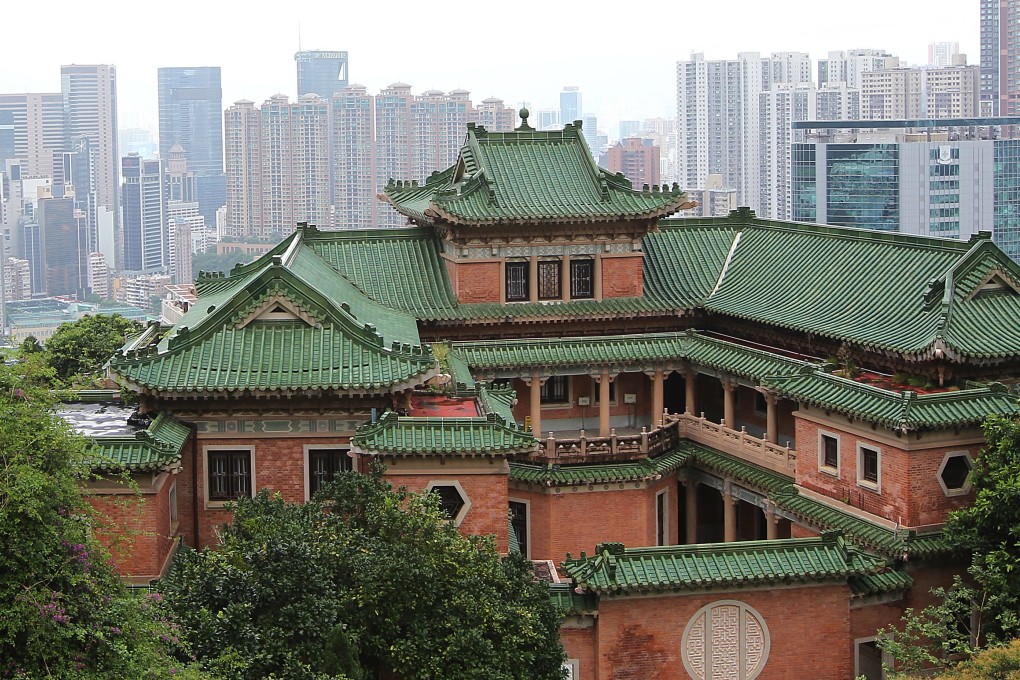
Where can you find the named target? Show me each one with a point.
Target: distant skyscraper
(629, 128)
(353, 159)
(570, 104)
(243, 136)
(62, 247)
(145, 237)
(495, 116)
(32, 131)
(394, 139)
(191, 115)
(1000, 56)
(321, 73)
(638, 159)
(90, 110)
(942, 54)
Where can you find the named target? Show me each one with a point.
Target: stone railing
(619, 448)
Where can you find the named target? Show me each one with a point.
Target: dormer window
(582, 279)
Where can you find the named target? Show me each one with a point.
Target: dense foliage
(63, 611)
(82, 347)
(984, 610)
(362, 579)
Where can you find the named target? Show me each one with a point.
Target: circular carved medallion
(725, 640)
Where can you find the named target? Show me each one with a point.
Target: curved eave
(712, 584)
(370, 389)
(437, 212)
(404, 452)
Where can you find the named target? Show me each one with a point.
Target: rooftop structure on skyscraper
(321, 72)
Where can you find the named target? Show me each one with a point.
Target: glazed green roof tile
(895, 544)
(615, 570)
(570, 603)
(904, 411)
(421, 436)
(626, 349)
(497, 400)
(274, 356)
(156, 448)
(526, 177)
(742, 471)
(683, 260)
(888, 581)
(603, 473)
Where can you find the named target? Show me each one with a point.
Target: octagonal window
(452, 499)
(954, 473)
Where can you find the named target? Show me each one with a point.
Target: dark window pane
(830, 451)
(554, 390)
(549, 280)
(450, 500)
(519, 523)
(229, 475)
(516, 281)
(323, 465)
(869, 465)
(582, 279)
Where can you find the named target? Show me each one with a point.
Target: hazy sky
(622, 56)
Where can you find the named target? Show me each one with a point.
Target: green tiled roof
(155, 448)
(905, 411)
(615, 570)
(420, 436)
(602, 473)
(527, 177)
(569, 603)
(888, 581)
(625, 349)
(742, 471)
(343, 340)
(497, 400)
(895, 544)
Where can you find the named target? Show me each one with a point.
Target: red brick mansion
(735, 438)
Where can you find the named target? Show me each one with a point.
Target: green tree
(984, 611)
(82, 347)
(362, 579)
(30, 345)
(63, 611)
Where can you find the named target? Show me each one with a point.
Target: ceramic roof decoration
(529, 177)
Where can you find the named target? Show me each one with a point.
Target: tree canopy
(362, 579)
(82, 347)
(63, 611)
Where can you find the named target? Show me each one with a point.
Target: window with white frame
(828, 453)
(322, 464)
(229, 473)
(869, 466)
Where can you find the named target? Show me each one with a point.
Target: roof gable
(528, 177)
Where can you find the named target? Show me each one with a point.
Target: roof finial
(524, 113)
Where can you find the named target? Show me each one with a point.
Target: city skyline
(636, 84)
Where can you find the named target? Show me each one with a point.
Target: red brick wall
(910, 492)
(640, 638)
(575, 521)
(476, 281)
(580, 643)
(488, 514)
(799, 531)
(622, 276)
(135, 528)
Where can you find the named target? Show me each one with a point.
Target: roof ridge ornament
(524, 113)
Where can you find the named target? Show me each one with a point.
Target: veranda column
(771, 522)
(771, 418)
(598, 277)
(729, 403)
(691, 506)
(729, 514)
(565, 278)
(658, 386)
(691, 404)
(604, 380)
(536, 405)
(533, 279)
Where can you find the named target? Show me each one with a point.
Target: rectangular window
(516, 281)
(830, 451)
(596, 392)
(868, 462)
(173, 509)
(549, 280)
(555, 390)
(661, 530)
(229, 474)
(323, 465)
(519, 523)
(582, 279)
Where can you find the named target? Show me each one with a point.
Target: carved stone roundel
(725, 640)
